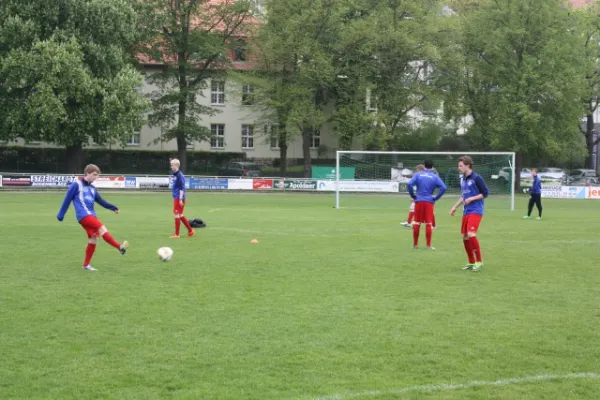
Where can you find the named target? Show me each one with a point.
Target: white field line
(271, 233)
(216, 209)
(457, 386)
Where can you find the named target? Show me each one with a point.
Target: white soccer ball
(165, 253)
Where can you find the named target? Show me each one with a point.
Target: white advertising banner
(592, 193)
(240, 184)
(564, 192)
(360, 186)
(149, 182)
(110, 182)
(0, 180)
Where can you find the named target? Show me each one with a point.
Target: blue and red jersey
(178, 185)
(83, 195)
(470, 186)
(426, 183)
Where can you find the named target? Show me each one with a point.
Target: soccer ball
(165, 253)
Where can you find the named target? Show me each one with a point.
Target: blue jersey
(536, 188)
(426, 183)
(470, 186)
(178, 185)
(83, 195)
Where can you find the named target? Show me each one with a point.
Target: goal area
(390, 171)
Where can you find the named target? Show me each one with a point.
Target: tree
(587, 25)
(522, 82)
(295, 54)
(65, 76)
(191, 40)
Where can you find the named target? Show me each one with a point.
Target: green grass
(329, 302)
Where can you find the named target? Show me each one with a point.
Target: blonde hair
(175, 161)
(420, 167)
(91, 168)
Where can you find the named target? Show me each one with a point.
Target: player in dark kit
(84, 194)
(426, 183)
(536, 195)
(178, 191)
(474, 190)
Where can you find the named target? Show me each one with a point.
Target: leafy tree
(191, 40)
(586, 23)
(65, 76)
(522, 82)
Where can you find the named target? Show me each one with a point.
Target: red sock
(469, 251)
(186, 223)
(416, 229)
(428, 234)
(433, 223)
(177, 225)
(111, 240)
(410, 217)
(89, 253)
(476, 248)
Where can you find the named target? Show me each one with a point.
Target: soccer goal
(389, 171)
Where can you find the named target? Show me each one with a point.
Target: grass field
(331, 304)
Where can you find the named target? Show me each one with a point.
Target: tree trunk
(589, 140)
(306, 142)
(283, 148)
(75, 159)
(181, 137)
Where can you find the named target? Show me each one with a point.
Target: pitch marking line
(216, 209)
(467, 385)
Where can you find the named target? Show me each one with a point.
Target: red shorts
(423, 212)
(91, 225)
(470, 223)
(177, 208)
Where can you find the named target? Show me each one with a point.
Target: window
(247, 136)
(247, 95)
(217, 92)
(315, 139)
(218, 136)
(133, 139)
(272, 133)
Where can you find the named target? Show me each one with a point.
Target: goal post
(380, 167)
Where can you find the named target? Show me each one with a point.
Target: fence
(14, 181)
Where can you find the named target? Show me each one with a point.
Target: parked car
(580, 176)
(242, 168)
(506, 172)
(552, 174)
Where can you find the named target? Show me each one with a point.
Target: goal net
(388, 172)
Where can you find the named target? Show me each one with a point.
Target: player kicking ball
(426, 182)
(474, 190)
(178, 191)
(83, 194)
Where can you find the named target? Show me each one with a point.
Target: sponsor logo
(52, 180)
(262, 184)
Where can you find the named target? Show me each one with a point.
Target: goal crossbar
(510, 155)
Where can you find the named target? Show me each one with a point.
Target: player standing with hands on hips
(474, 190)
(178, 191)
(536, 195)
(426, 182)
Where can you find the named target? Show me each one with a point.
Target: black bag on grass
(197, 223)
